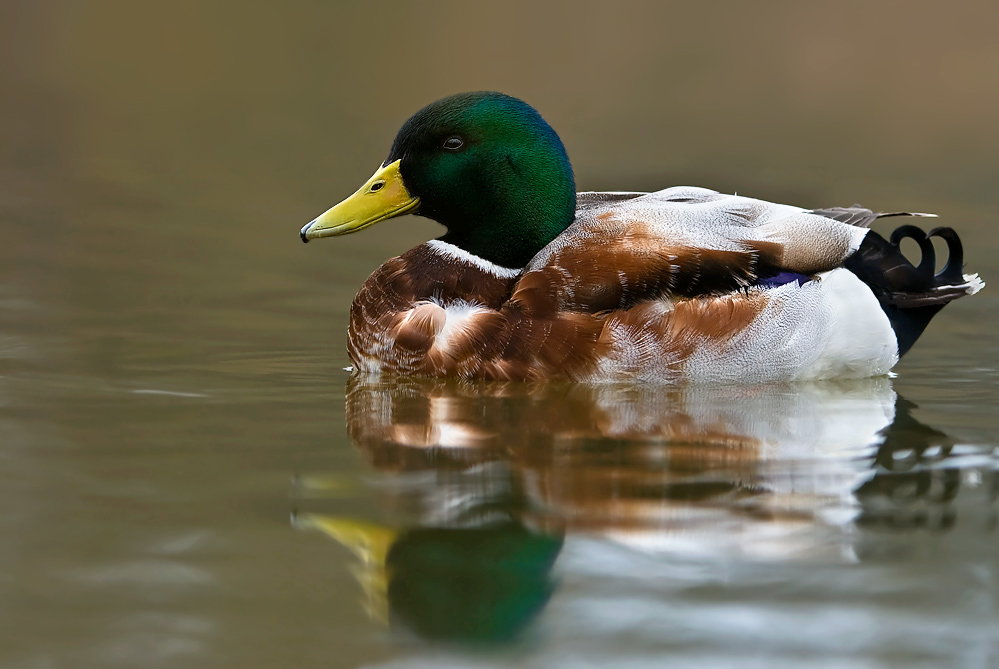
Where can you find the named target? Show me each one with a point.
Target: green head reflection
(484, 583)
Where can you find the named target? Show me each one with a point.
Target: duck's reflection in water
(909, 489)
(486, 478)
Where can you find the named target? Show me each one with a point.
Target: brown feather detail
(394, 319)
(540, 293)
(673, 333)
(620, 273)
(431, 316)
(417, 328)
(564, 347)
(571, 347)
(400, 323)
(717, 319)
(769, 255)
(479, 337)
(432, 275)
(705, 271)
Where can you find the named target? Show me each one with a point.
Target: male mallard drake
(532, 280)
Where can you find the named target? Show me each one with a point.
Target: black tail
(912, 295)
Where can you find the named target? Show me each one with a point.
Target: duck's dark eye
(453, 143)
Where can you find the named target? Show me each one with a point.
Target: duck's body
(681, 285)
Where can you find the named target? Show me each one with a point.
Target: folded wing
(626, 248)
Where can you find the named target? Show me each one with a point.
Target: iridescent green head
(484, 165)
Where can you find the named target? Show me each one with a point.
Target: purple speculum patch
(783, 278)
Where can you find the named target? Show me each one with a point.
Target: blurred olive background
(171, 353)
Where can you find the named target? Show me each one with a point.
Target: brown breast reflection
(593, 456)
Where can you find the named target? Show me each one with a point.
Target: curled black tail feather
(952, 271)
(911, 295)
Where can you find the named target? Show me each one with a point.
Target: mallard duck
(535, 281)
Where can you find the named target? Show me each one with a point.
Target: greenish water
(189, 478)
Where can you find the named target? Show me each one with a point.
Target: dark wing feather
(860, 216)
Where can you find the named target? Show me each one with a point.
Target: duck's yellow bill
(382, 196)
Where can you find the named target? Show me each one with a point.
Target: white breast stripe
(452, 252)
